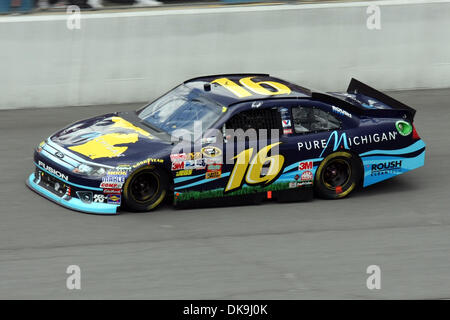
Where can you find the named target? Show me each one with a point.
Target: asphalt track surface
(310, 250)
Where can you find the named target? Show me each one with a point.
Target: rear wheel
(337, 176)
(145, 189)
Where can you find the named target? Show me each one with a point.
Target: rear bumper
(380, 165)
(71, 202)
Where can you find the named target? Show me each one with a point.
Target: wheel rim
(336, 174)
(144, 187)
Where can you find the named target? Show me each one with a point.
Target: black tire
(145, 189)
(337, 175)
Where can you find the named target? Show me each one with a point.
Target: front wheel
(145, 189)
(337, 176)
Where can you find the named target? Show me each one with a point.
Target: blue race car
(229, 139)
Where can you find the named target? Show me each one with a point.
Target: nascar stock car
(319, 143)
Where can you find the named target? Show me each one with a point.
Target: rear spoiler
(356, 87)
(397, 108)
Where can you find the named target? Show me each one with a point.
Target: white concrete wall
(136, 56)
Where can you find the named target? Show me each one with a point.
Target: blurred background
(133, 51)
(11, 6)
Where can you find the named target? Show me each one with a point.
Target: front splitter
(73, 203)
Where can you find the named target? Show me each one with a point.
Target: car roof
(227, 98)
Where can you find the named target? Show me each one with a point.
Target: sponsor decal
(213, 160)
(200, 164)
(99, 198)
(307, 165)
(178, 166)
(211, 151)
(183, 173)
(117, 173)
(214, 167)
(286, 123)
(122, 167)
(342, 139)
(389, 167)
(306, 176)
(213, 171)
(403, 127)
(287, 131)
(189, 164)
(114, 198)
(305, 179)
(147, 162)
(177, 157)
(115, 191)
(213, 174)
(119, 179)
(340, 111)
(194, 156)
(54, 171)
(111, 185)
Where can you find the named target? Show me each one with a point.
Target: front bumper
(70, 202)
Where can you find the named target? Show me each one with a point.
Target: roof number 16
(256, 87)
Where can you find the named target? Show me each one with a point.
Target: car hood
(112, 140)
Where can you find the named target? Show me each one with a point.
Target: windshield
(179, 108)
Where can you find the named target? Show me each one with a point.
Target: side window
(310, 119)
(266, 118)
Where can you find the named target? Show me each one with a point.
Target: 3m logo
(177, 165)
(305, 165)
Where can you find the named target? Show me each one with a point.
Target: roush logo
(54, 171)
(386, 167)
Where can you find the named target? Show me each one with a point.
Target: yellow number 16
(256, 87)
(255, 166)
